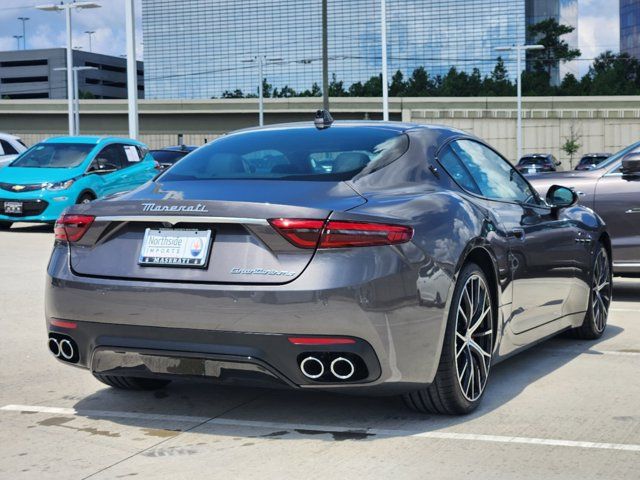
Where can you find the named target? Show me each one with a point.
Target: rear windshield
(533, 161)
(167, 156)
(53, 155)
(335, 153)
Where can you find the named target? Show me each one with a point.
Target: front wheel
(465, 361)
(595, 320)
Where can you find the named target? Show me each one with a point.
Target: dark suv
(590, 160)
(537, 163)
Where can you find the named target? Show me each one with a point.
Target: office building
(630, 27)
(33, 74)
(204, 48)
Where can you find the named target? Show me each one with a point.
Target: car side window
(113, 155)
(132, 155)
(496, 178)
(8, 148)
(454, 167)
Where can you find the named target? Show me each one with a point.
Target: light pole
(261, 60)
(325, 58)
(132, 68)
(519, 49)
(24, 32)
(90, 33)
(18, 37)
(385, 86)
(66, 7)
(76, 95)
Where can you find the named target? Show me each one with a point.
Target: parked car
(167, 156)
(537, 162)
(307, 276)
(612, 189)
(10, 147)
(590, 160)
(40, 184)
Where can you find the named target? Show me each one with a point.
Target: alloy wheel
(474, 337)
(601, 291)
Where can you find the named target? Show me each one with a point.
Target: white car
(10, 147)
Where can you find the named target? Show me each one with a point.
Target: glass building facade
(203, 48)
(566, 13)
(630, 27)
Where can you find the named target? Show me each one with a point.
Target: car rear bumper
(397, 336)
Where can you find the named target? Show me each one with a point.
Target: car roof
(536, 155)
(596, 155)
(398, 126)
(175, 148)
(6, 136)
(96, 140)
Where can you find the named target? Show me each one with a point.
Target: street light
(90, 33)
(18, 37)
(261, 60)
(76, 95)
(519, 49)
(24, 32)
(385, 86)
(66, 7)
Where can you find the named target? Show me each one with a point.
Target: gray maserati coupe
(350, 256)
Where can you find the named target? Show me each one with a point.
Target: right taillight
(308, 233)
(71, 228)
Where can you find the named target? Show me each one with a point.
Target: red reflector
(308, 233)
(302, 233)
(71, 228)
(62, 323)
(321, 341)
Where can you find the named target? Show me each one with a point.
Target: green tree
(571, 144)
(336, 88)
(498, 83)
(570, 85)
(315, 91)
(267, 88)
(397, 88)
(420, 84)
(548, 33)
(237, 93)
(614, 74)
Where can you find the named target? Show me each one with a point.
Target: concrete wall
(605, 124)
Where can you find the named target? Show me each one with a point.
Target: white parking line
(302, 428)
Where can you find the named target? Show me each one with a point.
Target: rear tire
(132, 383)
(465, 361)
(595, 320)
(5, 225)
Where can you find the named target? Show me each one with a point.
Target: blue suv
(43, 181)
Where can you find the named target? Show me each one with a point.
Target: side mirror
(559, 197)
(631, 164)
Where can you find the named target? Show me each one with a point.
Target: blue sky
(598, 27)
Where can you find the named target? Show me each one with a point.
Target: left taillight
(311, 233)
(71, 228)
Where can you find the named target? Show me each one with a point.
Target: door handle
(517, 233)
(633, 210)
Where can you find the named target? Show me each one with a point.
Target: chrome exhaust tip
(312, 367)
(54, 347)
(66, 349)
(342, 368)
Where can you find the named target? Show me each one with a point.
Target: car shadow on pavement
(291, 413)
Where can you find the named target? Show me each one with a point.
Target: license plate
(175, 248)
(12, 207)
(532, 170)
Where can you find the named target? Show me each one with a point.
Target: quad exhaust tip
(342, 368)
(312, 367)
(66, 349)
(54, 346)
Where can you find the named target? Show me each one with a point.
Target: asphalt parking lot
(565, 409)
